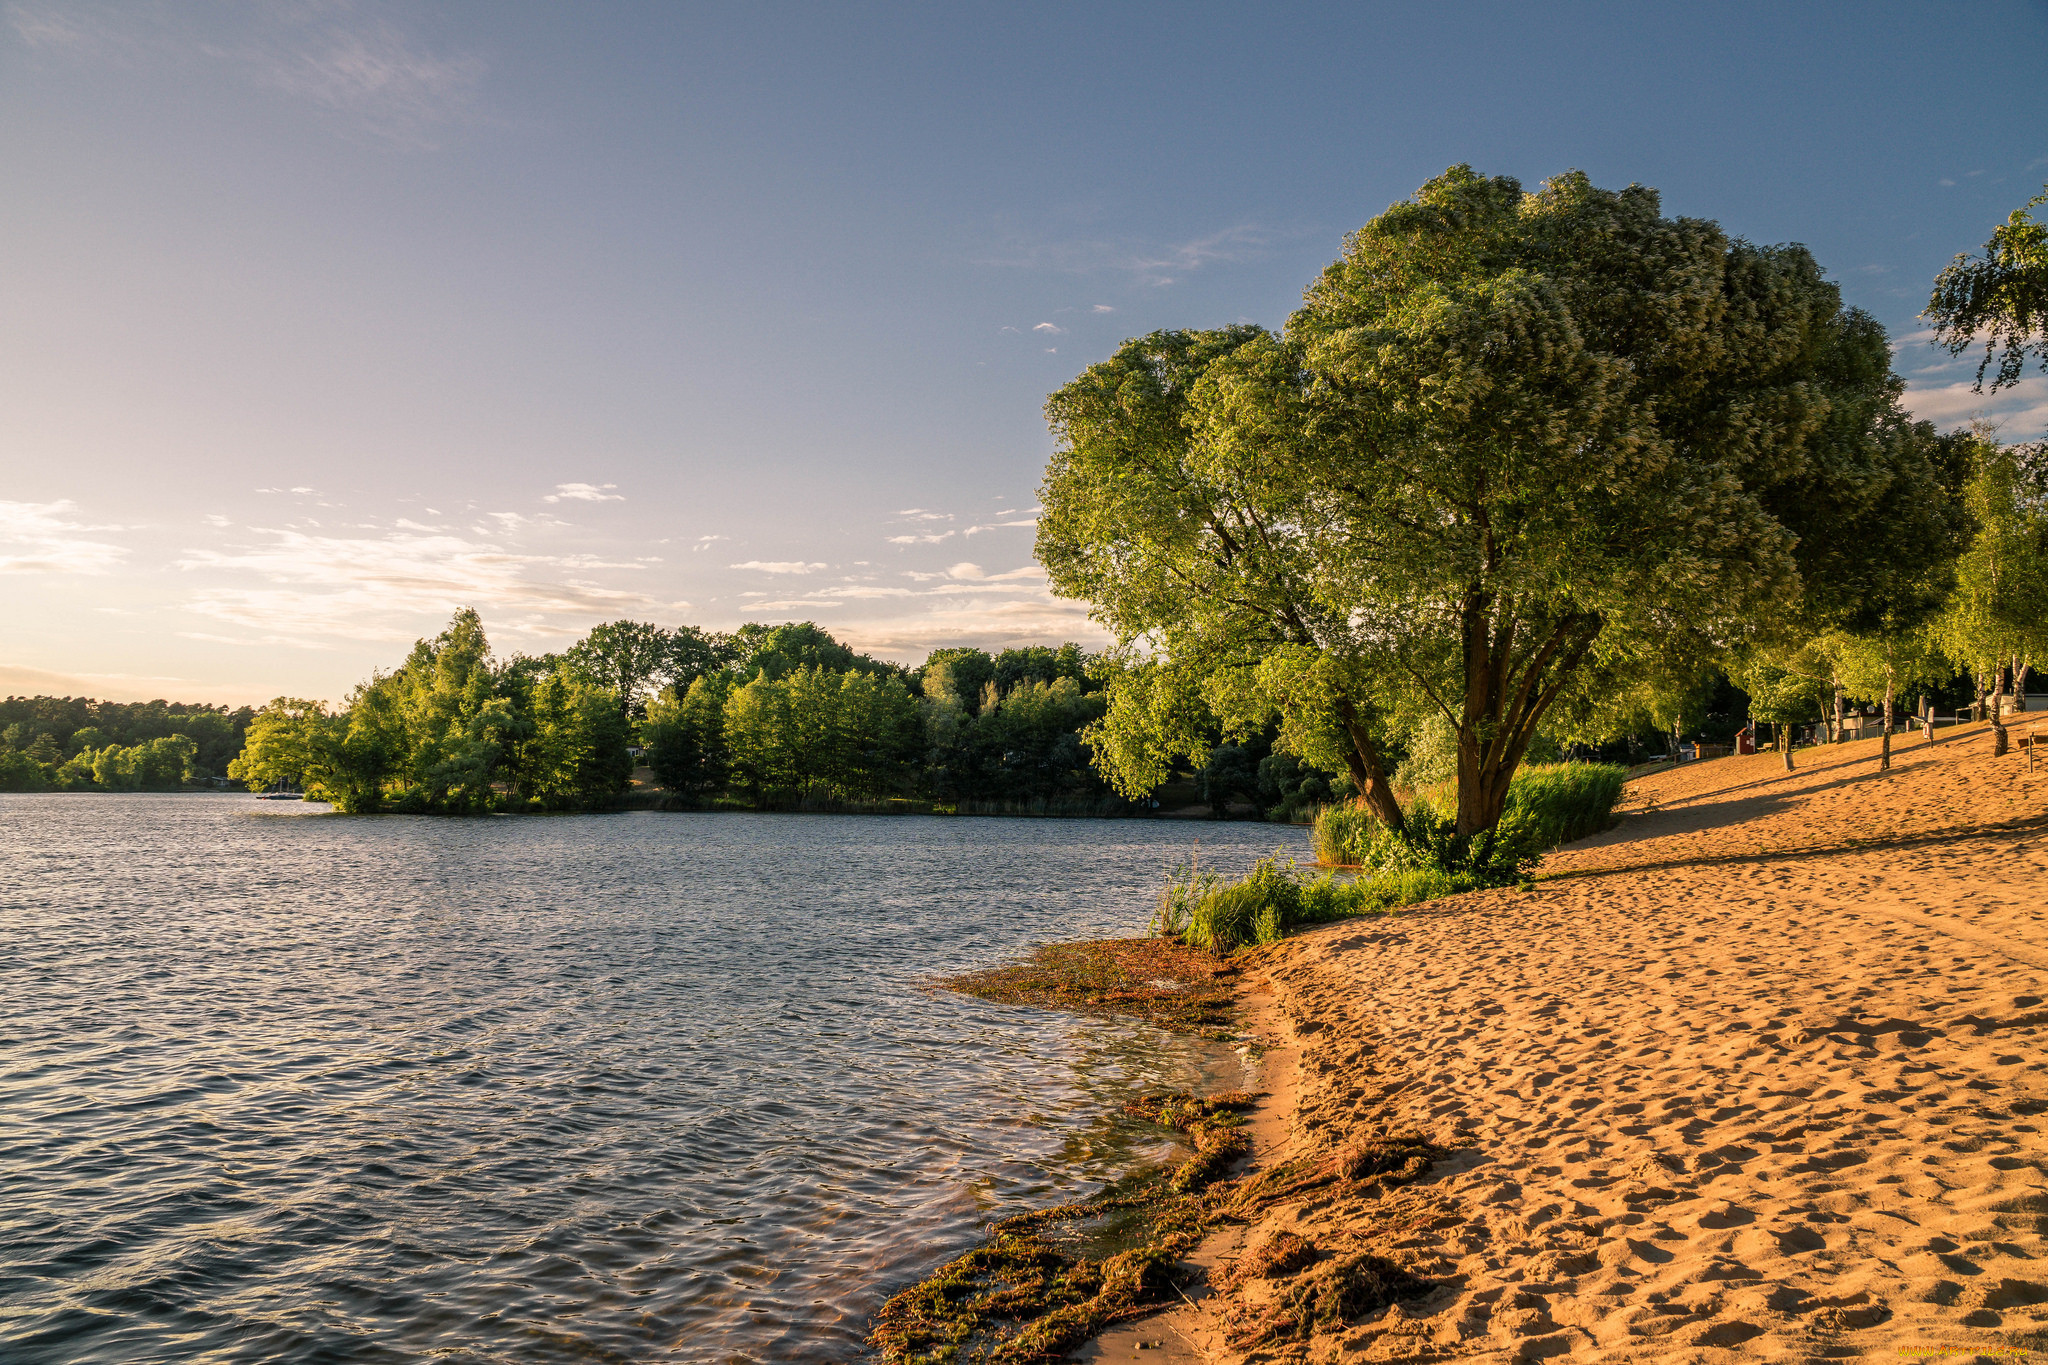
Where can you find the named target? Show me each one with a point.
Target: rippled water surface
(282, 1085)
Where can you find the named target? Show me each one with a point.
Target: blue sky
(324, 318)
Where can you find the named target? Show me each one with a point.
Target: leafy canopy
(1515, 454)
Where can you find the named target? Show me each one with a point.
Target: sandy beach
(1757, 1074)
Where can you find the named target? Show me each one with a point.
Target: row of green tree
(81, 744)
(990, 732)
(766, 717)
(1527, 470)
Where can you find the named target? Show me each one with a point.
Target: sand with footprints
(1759, 1074)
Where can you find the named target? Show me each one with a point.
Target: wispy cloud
(362, 63)
(778, 566)
(44, 537)
(311, 588)
(584, 492)
(922, 539)
(1049, 328)
(1154, 263)
(2021, 409)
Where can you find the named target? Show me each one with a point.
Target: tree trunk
(1884, 746)
(1999, 742)
(1674, 741)
(1838, 736)
(1368, 772)
(1785, 743)
(2020, 668)
(1505, 697)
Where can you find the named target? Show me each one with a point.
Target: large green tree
(1514, 451)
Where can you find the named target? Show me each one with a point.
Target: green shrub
(1548, 804)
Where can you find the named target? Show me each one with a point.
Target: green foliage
(1563, 802)
(2000, 300)
(778, 651)
(1022, 746)
(72, 724)
(450, 732)
(1789, 689)
(630, 659)
(1999, 609)
(20, 773)
(1223, 915)
(1515, 450)
(685, 738)
(1548, 805)
(154, 765)
(1187, 885)
(1344, 836)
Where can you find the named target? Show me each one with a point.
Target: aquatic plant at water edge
(1276, 896)
(1187, 885)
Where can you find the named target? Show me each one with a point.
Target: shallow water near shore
(278, 1084)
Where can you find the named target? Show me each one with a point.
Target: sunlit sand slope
(1758, 1074)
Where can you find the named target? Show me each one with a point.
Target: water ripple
(277, 1084)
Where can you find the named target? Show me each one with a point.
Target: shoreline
(1758, 1075)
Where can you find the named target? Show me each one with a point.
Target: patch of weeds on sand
(1348, 1291)
(1154, 979)
(1049, 1280)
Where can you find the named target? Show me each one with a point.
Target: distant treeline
(767, 717)
(79, 744)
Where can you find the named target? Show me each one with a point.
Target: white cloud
(1000, 525)
(310, 588)
(920, 514)
(42, 537)
(1049, 329)
(778, 566)
(583, 492)
(2021, 409)
(922, 539)
(1102, 308)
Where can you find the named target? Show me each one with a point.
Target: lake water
(277, 1084)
